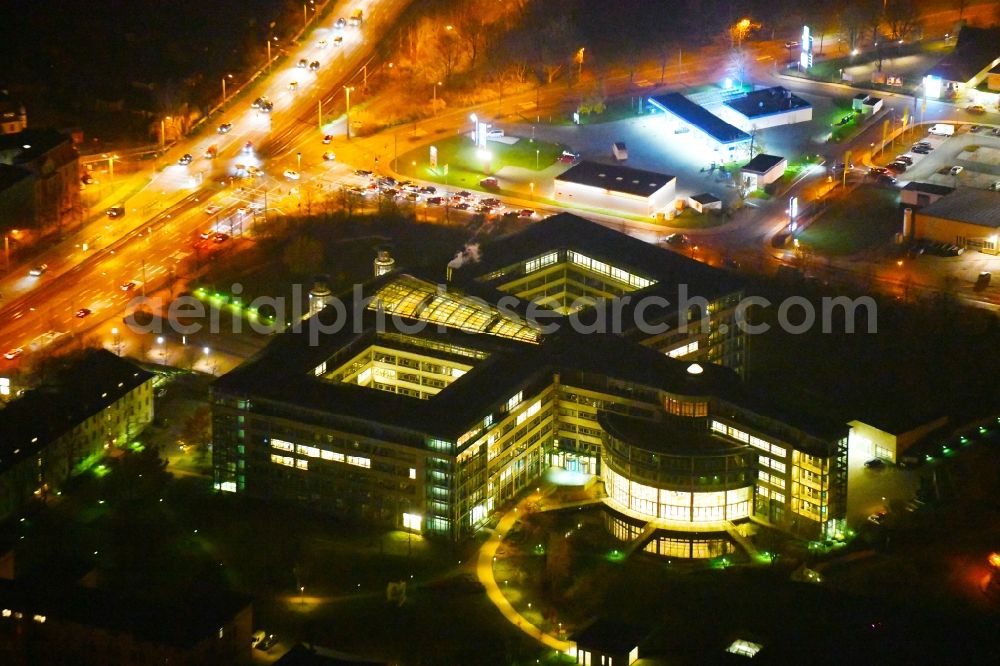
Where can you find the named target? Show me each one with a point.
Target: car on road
(905, 159)
(877, 171)
(248, 147)
(921, 150)
(220, 238)
(526, 213)
(224, 128)
(569, 157)
(185, 159)
(327, 138)
(38, 270)
(291, 174)
(975, 129)
(874, 463)
(955, 170)
(885, 179)
(87, 179)
(302, 64)
(676, 239)
(328, 156)
(267, 106)
(488, 182)
(256, 103)
(995, 186)
(321, 44)
(83, 312)
(314, 65)
(128, 286)
(212, 209)
(116, 211)
(293, 86)
(254, 172)
(976, 109)
(340, 23)
(463, 205)
(435, 201)
(13, 353)
(877, 518)
(428, 189)
(338, 41)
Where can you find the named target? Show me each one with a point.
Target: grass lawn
(466, 167)
(692, 219)
(864, 220)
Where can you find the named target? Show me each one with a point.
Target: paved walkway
(484, 570)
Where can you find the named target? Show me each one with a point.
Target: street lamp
(227, 76)
(347, 94)
(116, 341)
(163, 350)
(579, 60)
(434, 99)
(298, 161)
(538, 155)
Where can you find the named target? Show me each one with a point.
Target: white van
(942, 130)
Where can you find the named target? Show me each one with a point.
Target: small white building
(768, 107)
(704, 201)
(923, 194)
(762, 170)
(615, 188)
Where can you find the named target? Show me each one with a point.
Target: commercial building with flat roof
(976, 53)
(615, 188)
(768, 107)
(967, 217)
(725, 141)
(762, 170)
(426, 406)
(923, 194)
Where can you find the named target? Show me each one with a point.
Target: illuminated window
(311, 451)
(537, 263)
(413, 472)
(228, 486)
(6, 612)
(39, 618)
(326, 455)
(777, 497)
(282, 445)
(288, 461)
(320, 369)
(684, 350)
(514, 401)
(412, 521)
(302, 464)
(359, 461)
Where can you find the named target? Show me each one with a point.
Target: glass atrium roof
(410, 297)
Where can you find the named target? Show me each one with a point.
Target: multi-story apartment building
(426, 406)
(95, 402)
(39, 180)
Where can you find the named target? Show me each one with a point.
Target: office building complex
(426, 405)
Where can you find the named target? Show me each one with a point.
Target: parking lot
(980, 168)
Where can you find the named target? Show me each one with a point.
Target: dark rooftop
(311, 655)
(762, 163)
(81, 389)
(696, 115)
(609, 637)
(929, 188)
(767, 102)
(570, 232)
(706, 198)
(981, 207)
(177, 622)
(977, 49)
(667, 436)
(38, 141)
(11, 175)
(616, 178)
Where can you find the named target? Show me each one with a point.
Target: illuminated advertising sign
(806, 57)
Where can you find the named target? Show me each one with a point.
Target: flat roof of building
(31, 143)
(667, 436)
(929, 188)
(705, 198)
(762, 163)
(608, 636)
(767, 102)
(637, 182)
(167, 621)
(977, 49)
(972, 206)
(700, 117)
(82, 387)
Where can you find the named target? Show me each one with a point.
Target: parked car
(82, 312)
(955, 170)
(291, 174)
(896, 167)
(976, 109)
(338, 41)
(314, 65)
(87, 179)
(328, 156)
(569, 157)
(921, 150)
(185, 159)
(877, 170)
(327, 138)
(116, 211)
(877, 518)
(13, 353)
(435, 201)
(526, 213)
(488, 182)
(128, 286)
(905, 159)
(874, 463)
(676, 239)
(302, 63)
(885, 179)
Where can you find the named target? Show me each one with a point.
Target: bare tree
(739, 60)
(853, 22)
(901, 18)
